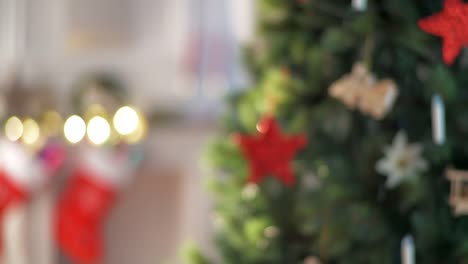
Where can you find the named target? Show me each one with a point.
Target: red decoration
(452, 25)
(21, 174)
(80, 214)
(11, 194)
(270, 151)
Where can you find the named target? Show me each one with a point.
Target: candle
(438, 120)
(407, 250)
(360, 5)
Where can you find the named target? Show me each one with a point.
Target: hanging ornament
(451, 25)
(360, 90)
(402, 160)
(270, 151)
(458, 191)
(378, 100)
(360, 5)
(438, 120)
(350, 87)
(407, 250)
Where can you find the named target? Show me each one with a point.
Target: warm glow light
(13, 128)
(74, 129)
(126, 120)
(94, 110)
(98, 130)
(139, 133)
(51, 124)
(31, 132)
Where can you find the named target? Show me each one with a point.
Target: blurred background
(175, 60)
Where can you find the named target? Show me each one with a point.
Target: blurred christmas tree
(371, 172)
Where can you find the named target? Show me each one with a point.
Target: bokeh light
(74, 129)
(140, 132)
(94, 110)
(126, 120)
(51, 124)
(13, 128)
(31, 132)
(98, 130)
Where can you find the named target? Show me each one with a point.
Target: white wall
(149, 42)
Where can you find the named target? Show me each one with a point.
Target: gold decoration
(459, 190)
(360, 90)
(350, 87)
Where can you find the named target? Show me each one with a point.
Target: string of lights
(128, 125)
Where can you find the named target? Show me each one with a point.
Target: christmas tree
(366, 84)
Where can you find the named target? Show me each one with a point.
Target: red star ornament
(270, 152)
(452, 25)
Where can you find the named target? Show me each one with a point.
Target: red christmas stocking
(21, 173)
(84, 206)
(10, 194)
(80, 213)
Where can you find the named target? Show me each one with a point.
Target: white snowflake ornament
(401, 161)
